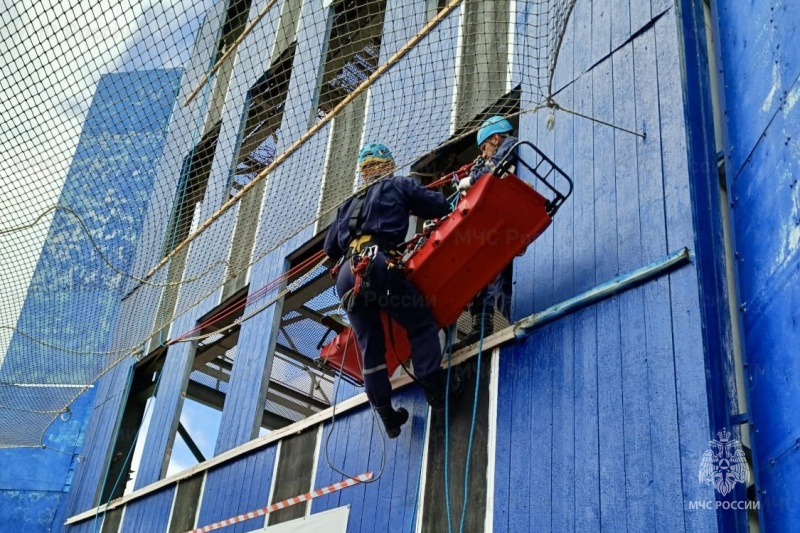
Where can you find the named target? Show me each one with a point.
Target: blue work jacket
(385, 213)
(505, 145)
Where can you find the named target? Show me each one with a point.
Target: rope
(130, 450)
(333, 419)
(97, 249)
(363, 86)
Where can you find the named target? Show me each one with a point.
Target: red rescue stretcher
(343, 354)
(493, 222)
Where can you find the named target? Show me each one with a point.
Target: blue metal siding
(238, 487)
(761, 87)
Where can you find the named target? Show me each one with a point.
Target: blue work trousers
(405, 305)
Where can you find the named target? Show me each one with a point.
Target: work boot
(392, 419)
(435, 387)
(485, 319)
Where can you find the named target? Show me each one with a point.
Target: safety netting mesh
(152, 151)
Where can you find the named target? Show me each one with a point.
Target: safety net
(152, 151)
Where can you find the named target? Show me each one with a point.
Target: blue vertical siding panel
(405, 501)
(639, 14)
(237, 487)
(639, 467)
(693, 416)
(587, 468)
(503, 440)
(426, 103)
(100, 432)
(166, 410)
(658, 338)
(563, 499)
(150, 513)
(519, 364)
(255, 350)
(621, 27)
(601, 30)
(616, 452)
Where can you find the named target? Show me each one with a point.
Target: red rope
(270, 285)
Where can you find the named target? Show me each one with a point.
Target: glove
(464, 184)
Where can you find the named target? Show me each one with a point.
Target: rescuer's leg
(410, 309)
(366, 323)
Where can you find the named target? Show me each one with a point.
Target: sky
(54, 54)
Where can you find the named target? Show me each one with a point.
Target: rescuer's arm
(423, 202)
(331, 245)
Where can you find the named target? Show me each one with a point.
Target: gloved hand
(464, 184)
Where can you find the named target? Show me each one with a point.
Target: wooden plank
(166, 410)
(639, 468)
(243, 409)
(601, 30)
(237, 487)
(435, 516)
(658, 338)
(564, 459)
(609, 377)
(621, 28)
(639, 15)
(587, 517)
(293, 475)
(504, 441)
(425, 120)
(185, 506)
(692, 400)
(404, 493)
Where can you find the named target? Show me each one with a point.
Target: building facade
(599, 420)
(73, 292)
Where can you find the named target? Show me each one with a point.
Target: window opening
(354, 45)
(198, 425)
(133, 427)
(352, 56)
(264, 106)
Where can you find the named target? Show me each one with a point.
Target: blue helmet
(374, 153)
(491, 126)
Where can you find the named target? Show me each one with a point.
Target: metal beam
(299, 297)
(190, 443)
(216, 400)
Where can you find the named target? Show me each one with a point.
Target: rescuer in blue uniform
(369, 226)
(495, 139)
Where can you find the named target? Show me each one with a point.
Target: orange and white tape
(285, 503)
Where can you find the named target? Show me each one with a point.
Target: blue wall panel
(237, 487)
(427, 103)
(761, 89)
(355, 448)
(167, 408)
(150, 513)
(241, 415)
(617, 417)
